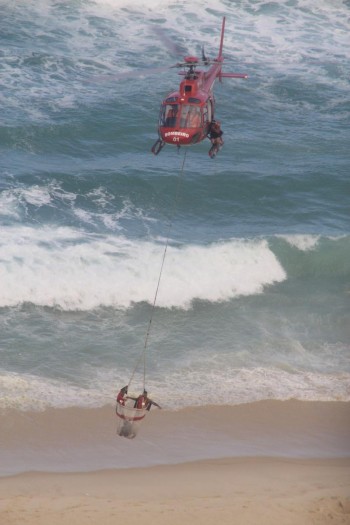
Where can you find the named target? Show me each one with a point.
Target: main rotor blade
(139, 73)
(173, 47)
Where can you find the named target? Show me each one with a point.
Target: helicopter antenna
(205, 60)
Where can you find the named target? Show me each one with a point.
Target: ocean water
(254, 297)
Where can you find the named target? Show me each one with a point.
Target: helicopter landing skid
(158, 146)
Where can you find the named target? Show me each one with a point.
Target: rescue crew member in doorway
(215, 133)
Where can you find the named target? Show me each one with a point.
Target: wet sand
(74, 440)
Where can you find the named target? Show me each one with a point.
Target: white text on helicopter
(177, 133)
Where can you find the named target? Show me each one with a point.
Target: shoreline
(247, 490)
(74, 439)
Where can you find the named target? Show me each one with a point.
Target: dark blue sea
(254, 295)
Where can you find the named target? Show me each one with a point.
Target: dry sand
(241, 491)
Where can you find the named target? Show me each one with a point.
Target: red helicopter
(187, 115)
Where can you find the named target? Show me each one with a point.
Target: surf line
(130, 410)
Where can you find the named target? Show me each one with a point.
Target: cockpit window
(190, 116)
(168, 115)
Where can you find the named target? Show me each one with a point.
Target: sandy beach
(77, 440)
(273, 463)
(249, 491)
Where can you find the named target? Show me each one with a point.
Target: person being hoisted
(215, 135)
(122, 395)
(144, 402)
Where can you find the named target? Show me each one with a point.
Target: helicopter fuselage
(186, 115)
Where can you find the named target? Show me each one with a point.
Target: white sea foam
(14, 205)
(14, 202)
(220, 271)
(9, 205)
(177, 389)
(302, 242)
(30, 392)
(300, 38)
(37, 195)
(76, 271)
(247, 385)
(112, 221)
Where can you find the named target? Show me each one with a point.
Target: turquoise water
(254, 301)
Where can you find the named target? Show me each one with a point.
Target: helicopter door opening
(209, 110)
(207, 114)
(168, 115)
(191, 116)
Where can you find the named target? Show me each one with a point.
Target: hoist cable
(143, 354)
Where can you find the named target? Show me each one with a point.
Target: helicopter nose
(181, 137)
(176, 137)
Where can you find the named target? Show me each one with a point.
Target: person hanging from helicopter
(144, 402)
(129, 417)
(122, 395)
(125, 428)
(215, 134)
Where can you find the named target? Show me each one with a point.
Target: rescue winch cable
(172, 214)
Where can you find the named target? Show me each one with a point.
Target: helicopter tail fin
(222, 38)
(220, 57)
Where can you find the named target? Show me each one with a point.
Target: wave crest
(77, 271)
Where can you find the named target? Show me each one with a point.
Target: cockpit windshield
(168, 115)
(190, 116)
